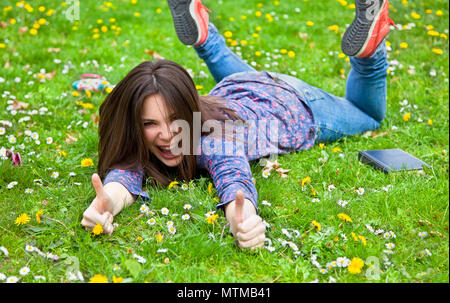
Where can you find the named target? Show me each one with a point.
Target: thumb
(98, 186)
(239, 210)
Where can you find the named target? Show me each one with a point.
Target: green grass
(416, 202)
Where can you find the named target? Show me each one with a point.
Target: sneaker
(370, 26)
(190, 18)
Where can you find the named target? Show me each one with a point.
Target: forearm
(120, 196)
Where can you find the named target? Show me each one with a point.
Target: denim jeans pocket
(307, 92)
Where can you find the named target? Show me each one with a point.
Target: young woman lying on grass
(141, 118)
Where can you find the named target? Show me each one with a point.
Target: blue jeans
(362, 109)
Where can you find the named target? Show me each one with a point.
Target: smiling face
(156, 119)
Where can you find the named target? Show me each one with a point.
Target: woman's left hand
(246, 226)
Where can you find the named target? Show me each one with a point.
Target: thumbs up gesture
(101, 209)
(246, 225)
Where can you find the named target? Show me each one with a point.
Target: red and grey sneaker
(370, 26)
(190, 18)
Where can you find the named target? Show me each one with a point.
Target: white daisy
(187, 206)
(184, 187)
(323, 271)
(315, 200)
(170, 223)
(266, 203)
(12, 139)
(185, 217)
(49, 140)
(35, 136)
(2, 131)
(162, 250)
(360, 191)
(390, 245)
(342, 203)
(151, 221)
(342, 262)
(72, 174)
(144, 209)
(427, 252)
(266, 173)
(116, 267)
(24, 271)
(28, 191)
(37, 278)
(331, 187)
(4, 250)
(12, 279)
(55, 175)
(164, 211)
(2, 277)
(11, 184)
(172, 230)
(29, 248)
(423, 234)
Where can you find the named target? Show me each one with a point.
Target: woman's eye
(149, 123)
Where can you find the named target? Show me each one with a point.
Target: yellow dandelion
(309, 23)
(430, 122)
(75, 94)
(117, 279)
(98, 229)
(406, 117)
(87, 162)
(344, 217)
(172, 184)
(437, 51)
(336, 149)
(355, 266)
(306, 180)
(38, 215)
(159, 237)
(316, 225)
(63, 153)
(403, 45)
(228, 34)
(415, 15)
(212, 218)
(98, 278)
(210, 186)
(334, 28)
(258, 14)
(439, 13)
(291, 54)
(22, 219)
(363, 239)
(33, 31)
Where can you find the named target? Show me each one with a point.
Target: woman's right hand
(101, 209)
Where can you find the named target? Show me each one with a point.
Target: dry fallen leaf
(154, 54)
(18, 105)
(23, 30)
(54, 50)
(70, 139)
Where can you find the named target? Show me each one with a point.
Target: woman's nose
(165, 133)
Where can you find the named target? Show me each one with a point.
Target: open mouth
(165, 152)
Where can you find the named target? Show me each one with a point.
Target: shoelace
(15, 157)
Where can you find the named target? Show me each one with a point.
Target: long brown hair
(121, 136)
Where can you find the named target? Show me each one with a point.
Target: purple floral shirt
(278, 121)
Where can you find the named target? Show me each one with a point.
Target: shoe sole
(358, 35)
(184, 20)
